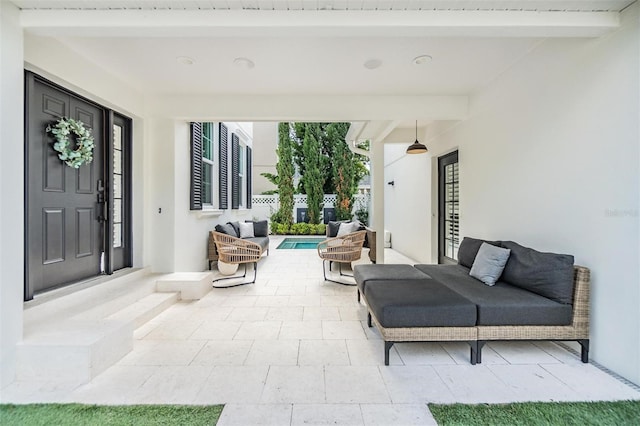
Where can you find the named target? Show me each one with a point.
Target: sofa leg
(369, 319)
(387, 348)
(584, 345)
(479, 345)
(358, 294)
(473, 357)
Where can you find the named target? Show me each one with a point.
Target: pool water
(300, 243)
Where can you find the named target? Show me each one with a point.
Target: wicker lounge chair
(236, 251)
(344, 249)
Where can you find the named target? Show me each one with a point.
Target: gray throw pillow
(547, 274)
(332, 227)
(489, 263)
(469, 248)
(226, 229)
(236, 227)
(260, 228)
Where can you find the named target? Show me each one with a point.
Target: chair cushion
(260, 228)
(236, 227)
(332, 227)
(547, 274)
(246, 230)
(489, 263)
(347, 228)
(262, 241)
(364, 274)
(469, 248)
(419, 303)
(501, 304)
(226, 229)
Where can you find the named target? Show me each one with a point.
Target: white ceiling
(322, 52)
(537, 5)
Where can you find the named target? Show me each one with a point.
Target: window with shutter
(196, 166)
(224, 168)
(235, 169)
(249, 186)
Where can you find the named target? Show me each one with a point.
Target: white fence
(263, 206)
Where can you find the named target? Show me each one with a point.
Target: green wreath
(84, 142)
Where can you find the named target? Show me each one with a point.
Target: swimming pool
(300, 243)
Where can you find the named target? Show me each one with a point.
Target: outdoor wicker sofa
(369, 241)
(261, 237)
(443, 303)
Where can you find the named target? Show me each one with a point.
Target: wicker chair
(236, 251)
(344, 249)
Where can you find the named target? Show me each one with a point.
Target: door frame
(30, 78)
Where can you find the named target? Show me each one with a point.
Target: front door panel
(64, 233)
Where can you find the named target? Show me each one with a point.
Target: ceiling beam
(333, 23)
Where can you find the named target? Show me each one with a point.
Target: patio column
(377, 196)
(11, 189)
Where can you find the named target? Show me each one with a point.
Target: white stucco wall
(265, 143)
(11, 189)
(407, 204)
(550, 158)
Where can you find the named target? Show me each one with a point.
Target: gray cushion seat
(501, 304)
(364, 274)
(262, 241)
(418, 303)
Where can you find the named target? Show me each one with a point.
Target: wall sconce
(392, 183)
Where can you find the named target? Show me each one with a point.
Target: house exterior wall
(407, 206)
(11, 189)
(265, 143)
(549, 157)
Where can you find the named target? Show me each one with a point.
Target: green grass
(78, 414)
(539, 413)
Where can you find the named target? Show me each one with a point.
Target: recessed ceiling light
(185, 60)
(244, 63)
(422, 59)
(372, 64)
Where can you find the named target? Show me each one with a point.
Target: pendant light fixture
(416, 147)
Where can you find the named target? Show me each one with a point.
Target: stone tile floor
(293, 349)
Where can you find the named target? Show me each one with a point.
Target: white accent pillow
(489, 263)
(246, 230)
(347, 228)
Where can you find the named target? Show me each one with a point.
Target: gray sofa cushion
(418, 303)
(260, 228)
(227, 229)
(364, 274)
(333, 226)
(469, 249)
(236, 227)
(263, 241)
(501, 304)
(547, 274)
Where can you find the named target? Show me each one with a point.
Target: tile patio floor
(293, 350)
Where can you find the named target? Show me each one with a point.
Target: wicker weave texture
(579, 328)
(212, 252)
(344, 249)
(236, 250)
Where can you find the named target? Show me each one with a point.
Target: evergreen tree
(343, 176)
(313, 176)
(285, 169)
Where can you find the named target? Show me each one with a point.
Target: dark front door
(65, 229)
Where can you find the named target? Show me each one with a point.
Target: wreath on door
(83, 152)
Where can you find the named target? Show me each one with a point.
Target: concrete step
(72, 339)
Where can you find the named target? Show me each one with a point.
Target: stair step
(146, 308)
(74, 338)
(191, 285)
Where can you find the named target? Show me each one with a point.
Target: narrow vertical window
(118, 170)
(448, 207)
